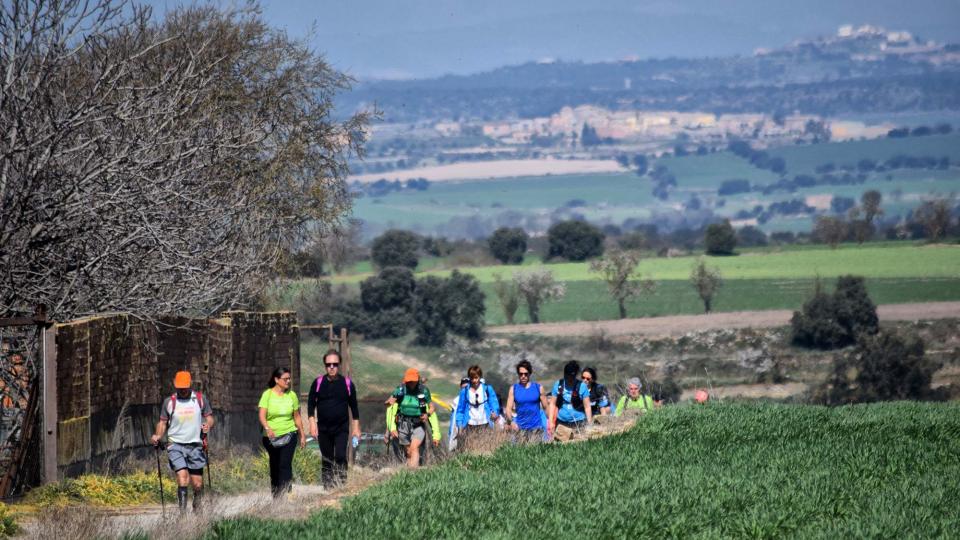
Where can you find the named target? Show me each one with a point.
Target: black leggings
(281, 465)
(333, 450)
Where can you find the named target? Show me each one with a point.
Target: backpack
(597, 393)
(320, 381)
(576, 401)
(173, 402)
(420, 397)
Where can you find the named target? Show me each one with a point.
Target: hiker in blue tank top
(570, 400)
(526, 403)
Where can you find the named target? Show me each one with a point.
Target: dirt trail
(89, 521)
(681, 324)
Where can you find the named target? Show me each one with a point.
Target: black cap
(572, 368)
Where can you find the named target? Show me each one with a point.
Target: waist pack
(282, 440)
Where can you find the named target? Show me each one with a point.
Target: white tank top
(185, 421)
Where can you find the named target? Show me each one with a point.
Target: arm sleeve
(312, 401)
(352, 402)
(392, 417)
(164, 413)
(434, 426)
(620, 405)
(555, 389)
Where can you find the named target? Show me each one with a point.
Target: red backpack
(173, 402)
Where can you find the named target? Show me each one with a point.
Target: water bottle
(354, 441)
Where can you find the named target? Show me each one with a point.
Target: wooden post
(345, 353)
(49, 352)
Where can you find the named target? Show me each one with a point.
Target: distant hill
(858, 70)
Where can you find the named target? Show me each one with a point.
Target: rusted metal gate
(21, 345)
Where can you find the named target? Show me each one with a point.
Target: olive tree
(618, 271)
(706, 281)
(160, 166)
(537, 287)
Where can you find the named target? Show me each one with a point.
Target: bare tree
(617, 268)
(159, 167)
(830, 230)
(706, 281)
(870, 203)
(935, 217)
(508, 293)
(537, 287)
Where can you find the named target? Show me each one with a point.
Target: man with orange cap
(186, 417)
(414, 406)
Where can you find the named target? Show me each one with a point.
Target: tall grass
(732, 470)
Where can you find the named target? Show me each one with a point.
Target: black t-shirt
(331, 403)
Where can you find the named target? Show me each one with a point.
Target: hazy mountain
(856, 69)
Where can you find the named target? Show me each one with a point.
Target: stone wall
(113, 371)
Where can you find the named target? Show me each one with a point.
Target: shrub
(720, 238)
(395, 248)
(574, 240)
(8, 523)
(454, 304)
(392, 287)
(833, 321)
(508, 245)
(884, 366)
(751, 236)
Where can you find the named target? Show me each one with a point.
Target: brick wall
(113, 371)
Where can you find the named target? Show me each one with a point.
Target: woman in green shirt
(280, 419)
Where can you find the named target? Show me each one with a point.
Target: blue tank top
(527, 401)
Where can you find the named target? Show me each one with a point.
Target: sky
(403, 39)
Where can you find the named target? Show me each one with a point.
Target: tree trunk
(534, 310)
(623, 308)
(706, 304)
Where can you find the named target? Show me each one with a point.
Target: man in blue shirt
(570, 400)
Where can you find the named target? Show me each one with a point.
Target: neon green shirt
(280, 410)
(627, 403)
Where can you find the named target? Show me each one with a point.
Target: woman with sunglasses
(332, 399)
(526, 404)
(599, 398)
(279, 412)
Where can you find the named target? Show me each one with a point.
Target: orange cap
(411, 375)
(701, 396)
(182, 380)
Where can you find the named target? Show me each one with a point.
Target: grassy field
(759, 471)
(447, 208)
(887, 260)
(767, 278)
(589, 300)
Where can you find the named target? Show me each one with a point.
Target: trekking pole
(206, 457)
(163, 505)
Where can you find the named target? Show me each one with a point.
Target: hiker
(413, 407)
(332, 399)
(186, 417)
(279, 412)
(599, 397)
(478, 407)
(432, 419)
(526, 404)
(452, 432)
(570, 400)
(635, 401)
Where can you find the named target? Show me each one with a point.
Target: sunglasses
(332, 365)
(587, 379)
(284, 378)
(523, 373)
